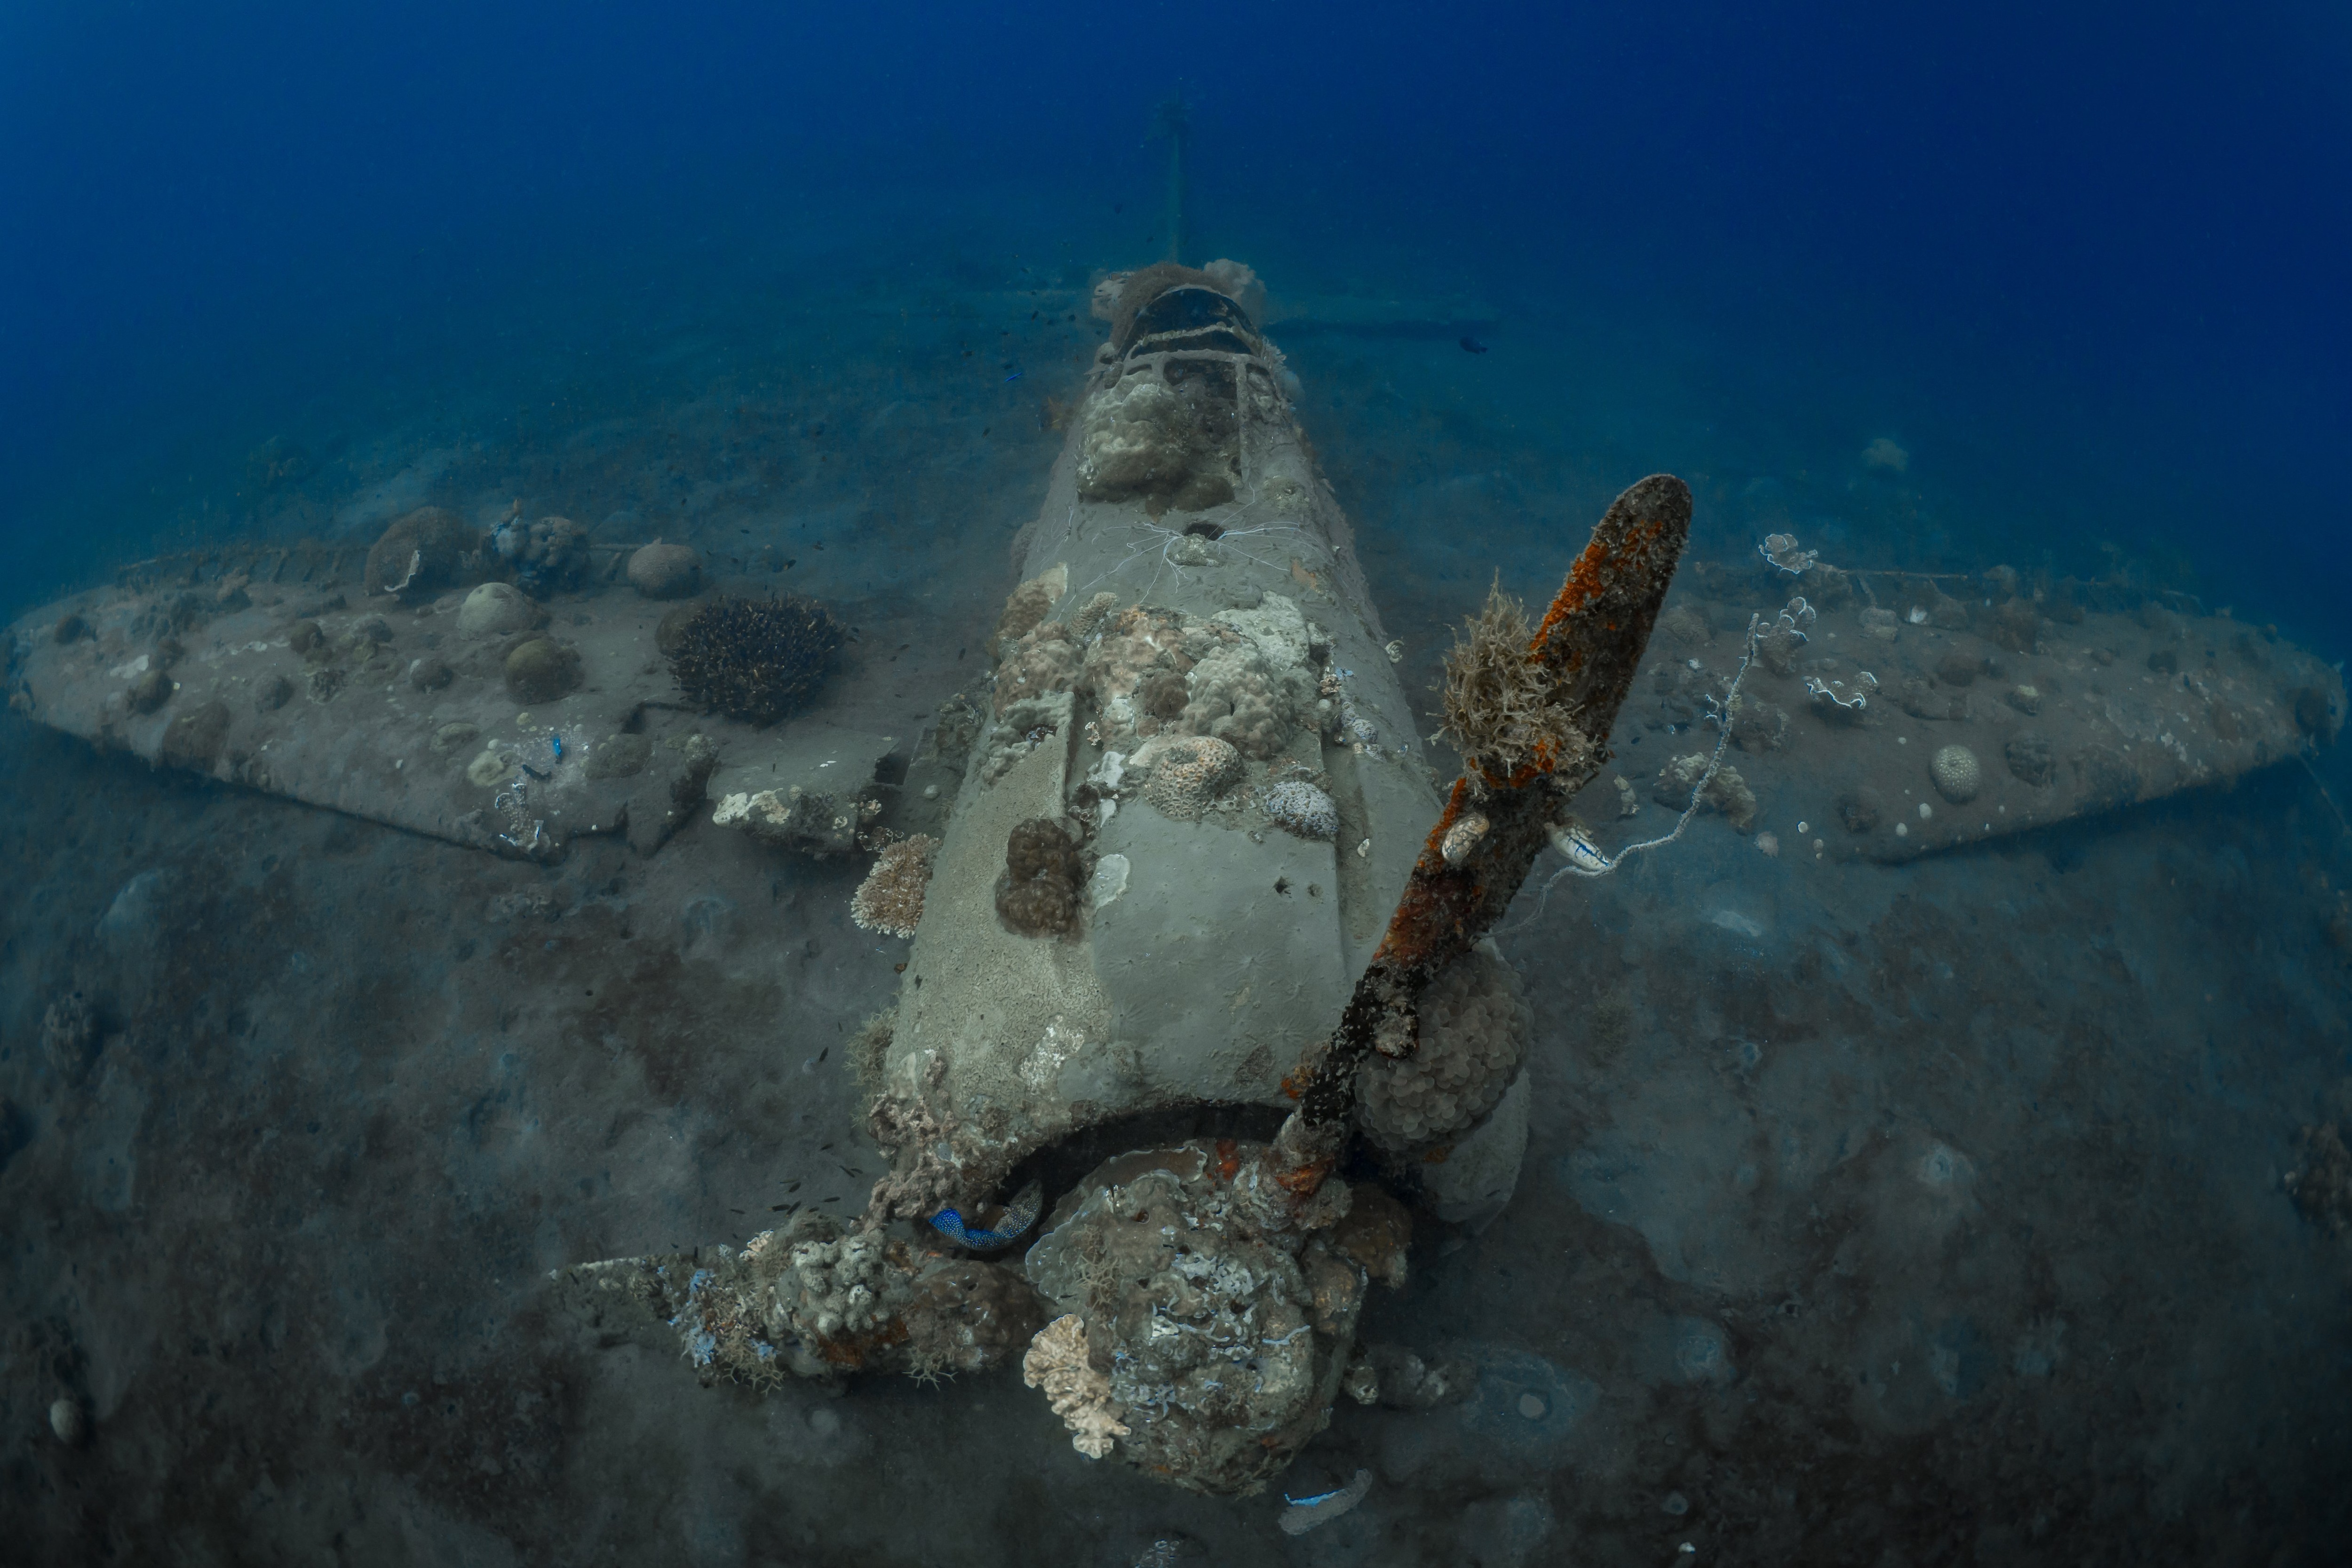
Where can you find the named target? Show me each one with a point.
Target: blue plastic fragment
(1019, 1216)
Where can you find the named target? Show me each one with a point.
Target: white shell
(1584, 857)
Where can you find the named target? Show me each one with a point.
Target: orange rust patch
(1409, 928)
(1595, 568)
(1302, 1180)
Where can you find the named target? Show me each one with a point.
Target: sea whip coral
(1080, 1395)
(890, 901)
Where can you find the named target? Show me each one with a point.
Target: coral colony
(756, 659)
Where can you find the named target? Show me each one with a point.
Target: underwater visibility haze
(1231, 785)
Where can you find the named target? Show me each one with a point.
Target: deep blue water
(2085, 266)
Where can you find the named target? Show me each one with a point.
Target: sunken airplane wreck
(1198, 1022)
(1193, 836)
(1200, 929)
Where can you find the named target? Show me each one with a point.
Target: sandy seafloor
(1873, 1215)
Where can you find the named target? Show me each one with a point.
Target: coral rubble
(813, 822)
(1044, 659)
(1246, 677)
(816, 1300)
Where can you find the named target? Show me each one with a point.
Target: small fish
(1014, 377)
(557, 742)
(1472, 346)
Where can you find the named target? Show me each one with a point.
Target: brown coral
(1163, 696)
(906, 1128)
(420, 553)
(1097, 611)
(1722, 789)
(1038, 893)
(1190, 774)
(149, 693)
(1044, 660)
(541, 670)
(1474, 1025)
(1025, 606)
(756, 659)
(890, 901)
(195, 737)
(1167, 440)
(968, 1316)
(2017, 626)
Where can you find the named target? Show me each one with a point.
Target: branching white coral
(1080, 1395)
